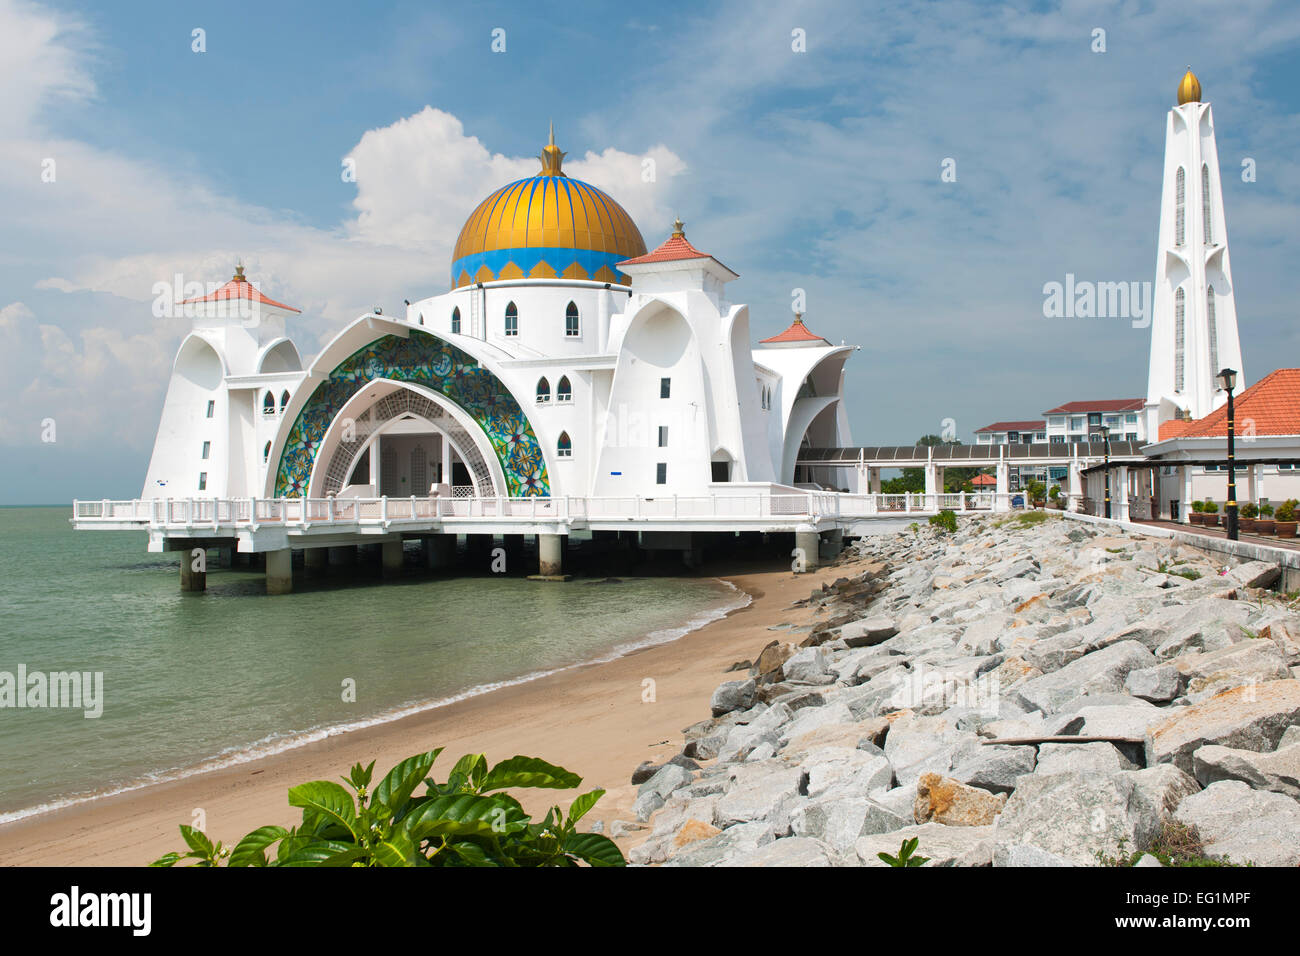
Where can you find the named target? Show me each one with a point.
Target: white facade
(648, 388)
(1194, 314)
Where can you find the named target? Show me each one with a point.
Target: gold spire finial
(679, 229)
(1189, 88)
(552, 156)
(239, 271)
(798, 318)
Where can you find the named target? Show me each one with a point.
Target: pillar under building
(279, 571)
(192, 580)
(550, 554)
(439, 550)
(316, 559)
(393, 555)
(808, 542)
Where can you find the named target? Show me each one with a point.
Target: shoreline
(589, 718)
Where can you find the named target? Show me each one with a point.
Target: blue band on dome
(557, 258)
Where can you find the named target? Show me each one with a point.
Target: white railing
(305, 512)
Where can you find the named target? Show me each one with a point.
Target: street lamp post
(1104, 432)
(1228, 378)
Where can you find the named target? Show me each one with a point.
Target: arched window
(268, 404)
(543, 391)
(455, 320)
(1180, 194)
(571, 327)
(1180, 337)
(422, 318)
(284, 399)
(564, 447)
(1205, 205)
(564, 391)
(1212, 328)
(512, 319)
(266, 453)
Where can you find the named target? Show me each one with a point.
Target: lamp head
(1228, 379)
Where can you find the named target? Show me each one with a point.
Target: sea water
(192, 681)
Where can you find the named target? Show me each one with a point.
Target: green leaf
(401, 781)
(529, 772)
(167, 859)
(251, 850)
(472, 768)
(326, 799)
(578, 809)
(594, 848)
(198, 842)
(398, 850)
(317, 853)
(464, 814)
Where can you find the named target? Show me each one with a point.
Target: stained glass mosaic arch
(426, 360)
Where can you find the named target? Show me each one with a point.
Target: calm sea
(198, 680)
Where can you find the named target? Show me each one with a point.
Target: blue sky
(817, 170)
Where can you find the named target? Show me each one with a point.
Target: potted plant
(1198, 513)
(1264, 524)
(1246, 517)
(1211, 517)
(1286, 519)
(1037, 491)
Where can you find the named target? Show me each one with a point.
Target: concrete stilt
(439, 550)
(393, 556)
(317, 559)
(480, 551)
(835, 541)
(550, 554)
(344, 556)
(279, 571)
(194, 575)
(808, 542)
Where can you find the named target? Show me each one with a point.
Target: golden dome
(546, 226)
(1189, 88)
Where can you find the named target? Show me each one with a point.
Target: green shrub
(1211, 508)
(467, 821)
(1055, 492)
(1266, 510)
(945, 520)
(1286, 510)
(1248, 510)
(1198, 507)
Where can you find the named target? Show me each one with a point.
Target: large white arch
(465, 436)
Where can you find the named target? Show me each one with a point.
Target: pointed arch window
(512, 319)
(1211, 323)
(1205, 204)
(564, 447)
(1180, 337)
(422, 318)
(543, 391)
(284, 399)
(1180, 215)
(572, 327)
(268, 404)
(455, 320)
(564, 390)
(266, 453)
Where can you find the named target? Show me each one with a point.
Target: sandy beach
(591, 720)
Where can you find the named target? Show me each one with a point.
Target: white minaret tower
(1194, 313)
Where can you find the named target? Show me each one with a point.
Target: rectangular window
(1058, 439)
(665, 387)
(1076, 423)
(1131, 418)
(1094, 418)
(512, 325)
(1131, 436)
(661, 473)
(212, 407)
(207, 447)
(571, 326)
(203, 481)
(1286, 467)
(663, 436)
(1013, 437)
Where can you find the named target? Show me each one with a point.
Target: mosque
(564, 360)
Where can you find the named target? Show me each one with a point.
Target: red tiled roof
(1013, 427)
(1100, 405)
(676, 247)
(1269, 407)
(980, 481)
(797, 332)
(239, 288)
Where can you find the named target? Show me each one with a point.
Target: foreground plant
(905, 857)
(466, 821)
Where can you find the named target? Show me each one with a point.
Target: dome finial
(552, 156)
(1189, 88)
(239, 271)
(679, 229)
